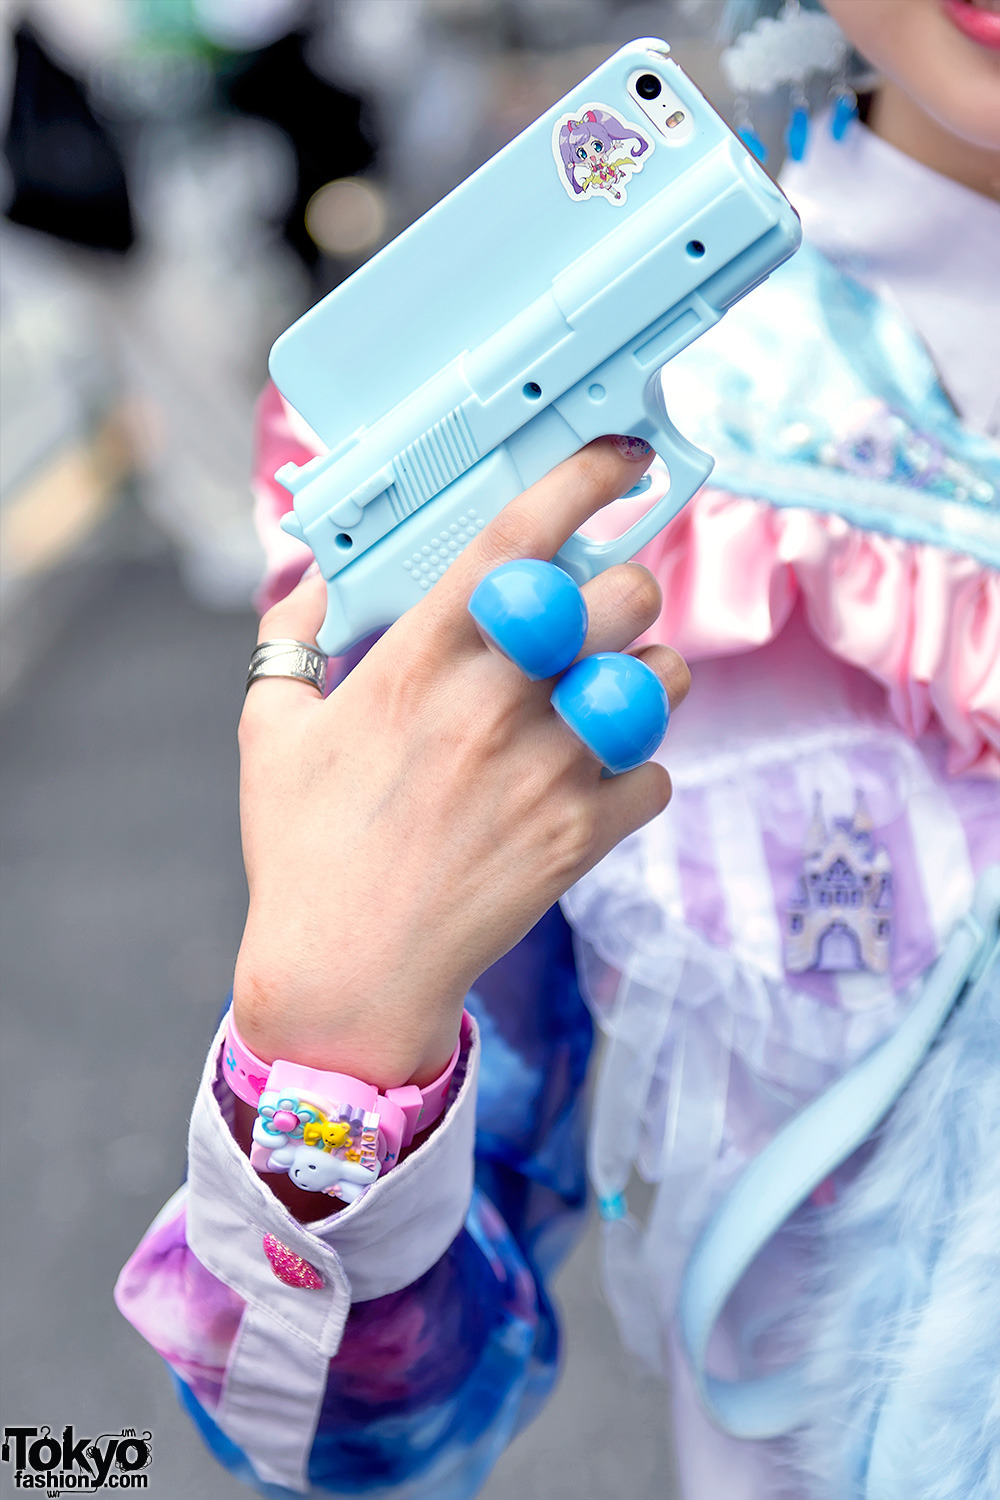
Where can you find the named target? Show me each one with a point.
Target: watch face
(347, 1135)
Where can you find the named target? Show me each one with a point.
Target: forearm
(405, 832)
(389, 1023)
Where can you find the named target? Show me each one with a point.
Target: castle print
(840, 914)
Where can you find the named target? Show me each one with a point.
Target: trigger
(637, 489)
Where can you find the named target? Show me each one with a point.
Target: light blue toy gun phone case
(527, 313)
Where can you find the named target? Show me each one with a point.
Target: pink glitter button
(290, 1268)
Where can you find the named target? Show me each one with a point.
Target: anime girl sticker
(598, 153)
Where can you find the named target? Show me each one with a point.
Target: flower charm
(290, 1268)
(284, 1116)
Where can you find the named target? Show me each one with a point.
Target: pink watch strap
(403, 1111)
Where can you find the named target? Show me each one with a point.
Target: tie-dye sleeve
(394, 1349)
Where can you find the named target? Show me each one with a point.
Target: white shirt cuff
(389, 1237)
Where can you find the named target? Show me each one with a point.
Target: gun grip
(688, 466)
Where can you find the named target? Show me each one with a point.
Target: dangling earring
(845, 110)
(797, 134)
(786, 49)
(845, 103)
(744, 127)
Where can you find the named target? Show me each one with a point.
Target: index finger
(544, 516)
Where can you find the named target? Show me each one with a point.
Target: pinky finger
(628, 802)
(670, 667)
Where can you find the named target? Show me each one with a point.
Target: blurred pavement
(122, 904)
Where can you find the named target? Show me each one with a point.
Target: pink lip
(982, 26)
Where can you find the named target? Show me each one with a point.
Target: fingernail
(311, 571)
(632, 447)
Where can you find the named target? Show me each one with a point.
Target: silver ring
(283, 658)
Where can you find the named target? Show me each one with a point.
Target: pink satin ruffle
(922, 621)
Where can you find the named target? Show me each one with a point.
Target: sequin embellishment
(290, 1268)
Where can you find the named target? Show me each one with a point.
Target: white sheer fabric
(683, 936)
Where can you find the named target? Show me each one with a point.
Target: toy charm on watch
(331, 1132)
(322, 1150)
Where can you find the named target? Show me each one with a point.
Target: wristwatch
(330, 1132)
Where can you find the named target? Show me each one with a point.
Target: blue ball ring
(616, 705)
(533, 613)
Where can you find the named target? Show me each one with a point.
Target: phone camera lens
(648, 86)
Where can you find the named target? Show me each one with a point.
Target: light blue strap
(899, 1412)
(798, 1159)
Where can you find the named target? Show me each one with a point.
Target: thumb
(299, 614)
(297, 617)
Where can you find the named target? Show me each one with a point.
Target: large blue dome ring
(616, 705)
(533, 613)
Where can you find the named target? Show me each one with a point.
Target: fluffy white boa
(904, 1371)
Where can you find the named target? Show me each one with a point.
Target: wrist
(333, 1133)
(386, 1038)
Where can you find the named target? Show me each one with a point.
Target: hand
(403, 834)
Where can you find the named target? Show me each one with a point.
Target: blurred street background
(180, 179)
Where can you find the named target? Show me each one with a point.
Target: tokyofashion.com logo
(67, 1465)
